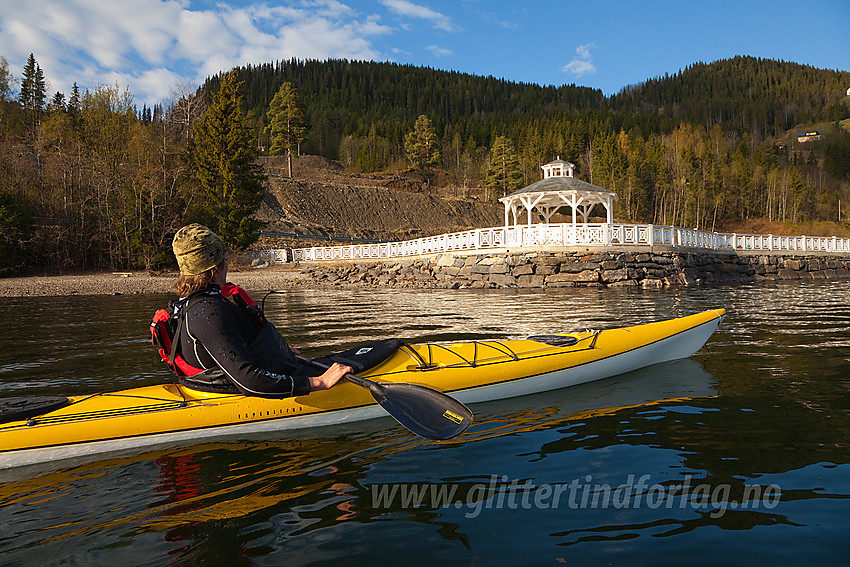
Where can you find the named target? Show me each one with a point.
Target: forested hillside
(89, 181)
(761, 97)
(712, 144)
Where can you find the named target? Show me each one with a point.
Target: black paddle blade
(426, 412)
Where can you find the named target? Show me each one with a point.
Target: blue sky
(156, 48)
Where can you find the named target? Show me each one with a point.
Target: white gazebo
(558, 188)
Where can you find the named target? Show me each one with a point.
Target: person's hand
(295, 351)
(330, 377)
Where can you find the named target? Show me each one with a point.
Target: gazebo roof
(558, 184)
(554, 191)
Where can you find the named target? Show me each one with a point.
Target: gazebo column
(525, 203)
(510, 212)
(529, 204)
(574, 201)
(609, 209)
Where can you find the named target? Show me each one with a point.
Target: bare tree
(187, 106)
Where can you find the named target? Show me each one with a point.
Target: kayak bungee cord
(424, 365)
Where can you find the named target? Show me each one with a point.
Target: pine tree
(33, 90)
(286, 127)
(504, 172)
(420, 145)
(225, 158)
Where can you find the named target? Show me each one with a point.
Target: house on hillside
(809, 136)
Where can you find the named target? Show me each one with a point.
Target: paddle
(424, 411)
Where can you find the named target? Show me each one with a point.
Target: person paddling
(222, 336)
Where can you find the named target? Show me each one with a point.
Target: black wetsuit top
(217, 333)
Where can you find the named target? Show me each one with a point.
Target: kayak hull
(472, 372)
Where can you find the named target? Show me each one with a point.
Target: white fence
(518, 238)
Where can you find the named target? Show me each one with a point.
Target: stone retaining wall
(578, 269)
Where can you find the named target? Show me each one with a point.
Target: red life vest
(165, 325)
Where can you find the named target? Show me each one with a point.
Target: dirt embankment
(322, 200)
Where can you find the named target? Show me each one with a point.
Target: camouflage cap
(197, 249)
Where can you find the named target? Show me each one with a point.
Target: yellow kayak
(472, 371)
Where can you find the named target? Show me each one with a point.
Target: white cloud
(439, 51)
(142, 43)
(582, 63)
(194, 32)
(157, 83)
(409, 9)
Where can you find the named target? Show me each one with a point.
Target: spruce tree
(57, 103)
(74, 106)
(286, 127)
(504, 172)
(225, 157)
(33, 90)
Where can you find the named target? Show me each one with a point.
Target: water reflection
(288, 489)
(766, 403)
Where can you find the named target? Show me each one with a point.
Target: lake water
(737, 456)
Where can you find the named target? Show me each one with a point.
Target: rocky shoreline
(484, 271)
(652, 269)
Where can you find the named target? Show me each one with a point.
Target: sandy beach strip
(126, 283)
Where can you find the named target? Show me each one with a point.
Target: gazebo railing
(533, 237)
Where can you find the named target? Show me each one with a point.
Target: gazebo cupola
(558, 168)
(557, 189)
